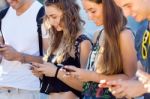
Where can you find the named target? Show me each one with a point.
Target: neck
(25, 6)
(148, 9)
(148, 17)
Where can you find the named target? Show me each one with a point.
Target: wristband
(56, 73)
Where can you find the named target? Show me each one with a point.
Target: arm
(49, 69)
(85, 48)
(11, 54)
(25, 58)
(128, 56)
(30, 58)
(129, 62)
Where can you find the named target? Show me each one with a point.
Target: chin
(59, 30)
(139, 19)
(98, 24)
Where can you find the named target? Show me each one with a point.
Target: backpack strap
(39, 20)
(2, 15)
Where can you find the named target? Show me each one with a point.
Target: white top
(20, 32)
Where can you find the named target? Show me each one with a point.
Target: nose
(9, 1)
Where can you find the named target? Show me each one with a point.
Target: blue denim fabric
(138, 46)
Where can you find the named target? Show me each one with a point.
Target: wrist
(21, 57)
(56, 72)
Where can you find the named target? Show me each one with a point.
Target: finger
(116, 90)
(119, 93)
(143, 80)
(66, 76)
(3, 49)
(40, 69)
(143, 74)
(63, 70)
(71, 68)
(103, 85)
(113, 83)
(38, 65)
(34, 64)
(113, 88)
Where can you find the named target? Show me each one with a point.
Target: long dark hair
(72, 23)
(114, 22)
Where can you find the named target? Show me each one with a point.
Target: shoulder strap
(2, 15)
(98, 37)
(79, 40)
(39, 20)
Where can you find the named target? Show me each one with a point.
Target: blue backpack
(39, 21)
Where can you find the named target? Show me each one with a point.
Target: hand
(103, 84)
(144, 78)
(126, 88)
(9, 53)
(36, 72)
(48, 69)
(78, 73)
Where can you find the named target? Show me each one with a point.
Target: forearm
(1, 40)
(25, 58)
(72, 82)
(93, 76)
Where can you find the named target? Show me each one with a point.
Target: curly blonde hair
(72, 24)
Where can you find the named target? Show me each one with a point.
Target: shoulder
(126, 34)
(83, 41)
(81, 38)
(85, 44)
(96, 35)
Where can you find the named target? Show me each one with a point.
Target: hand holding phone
(33, 66)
